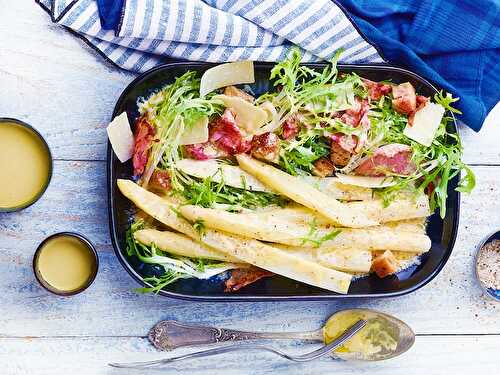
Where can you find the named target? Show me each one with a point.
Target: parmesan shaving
(121, 138)
(197, 133)
(226, 75)
(425, 124)
(274, 122)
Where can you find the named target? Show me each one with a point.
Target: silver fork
(355, 328)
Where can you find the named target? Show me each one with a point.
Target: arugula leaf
(208, 193)
(199, 226)
(446, 101)
(312, 235)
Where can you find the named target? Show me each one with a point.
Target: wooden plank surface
(51, 80)
(442, 355)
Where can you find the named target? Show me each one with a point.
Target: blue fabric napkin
(454, 44)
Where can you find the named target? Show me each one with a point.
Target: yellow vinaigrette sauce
(24, 164)
(65, 263)
(374, 338)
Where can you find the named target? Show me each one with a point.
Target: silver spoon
(169, 334)
(351, 331)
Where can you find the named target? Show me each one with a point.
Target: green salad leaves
(316, 95)
(171, 111)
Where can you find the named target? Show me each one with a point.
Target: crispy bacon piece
(385, 264)
(405, 99)
(241, 277)
(388, 159)
(290, 128)
(160, 180)
(342, 148)
(266, 147)
(376, 89)
(143, 138)
(421, 102)
(226, 136)
(323, 167)
(234, 91)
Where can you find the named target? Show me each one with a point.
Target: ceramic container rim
(50, 288)
(51, 165)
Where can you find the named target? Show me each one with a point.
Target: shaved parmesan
(197, 133)
(225, 75)
(121, 138)
(230, 174)
(366, 181)
(249, 117)
(273, 117)
(425, 123)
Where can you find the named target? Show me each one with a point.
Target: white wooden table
(51, 80)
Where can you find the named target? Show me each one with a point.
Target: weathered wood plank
(436, 355)
(55, 82)
(76, 201)
(484, 147)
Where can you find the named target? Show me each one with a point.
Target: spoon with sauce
(383, 336)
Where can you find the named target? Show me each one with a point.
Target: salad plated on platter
(318, 178)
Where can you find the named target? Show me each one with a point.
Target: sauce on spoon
(379, 336)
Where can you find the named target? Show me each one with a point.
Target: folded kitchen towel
(454, 44)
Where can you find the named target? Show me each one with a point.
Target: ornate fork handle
(245, 347)
(169, 334)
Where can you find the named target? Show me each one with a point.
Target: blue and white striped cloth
(215, 30)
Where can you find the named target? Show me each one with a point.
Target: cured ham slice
(226, 136)
(203, 151)
(241, 277)
(143, 138)
(290, 128)
(376, 89)
(393, 158)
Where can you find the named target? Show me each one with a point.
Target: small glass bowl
(494, 294)
(89, 281)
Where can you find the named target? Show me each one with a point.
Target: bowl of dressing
(65, 263)
(26, 165)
